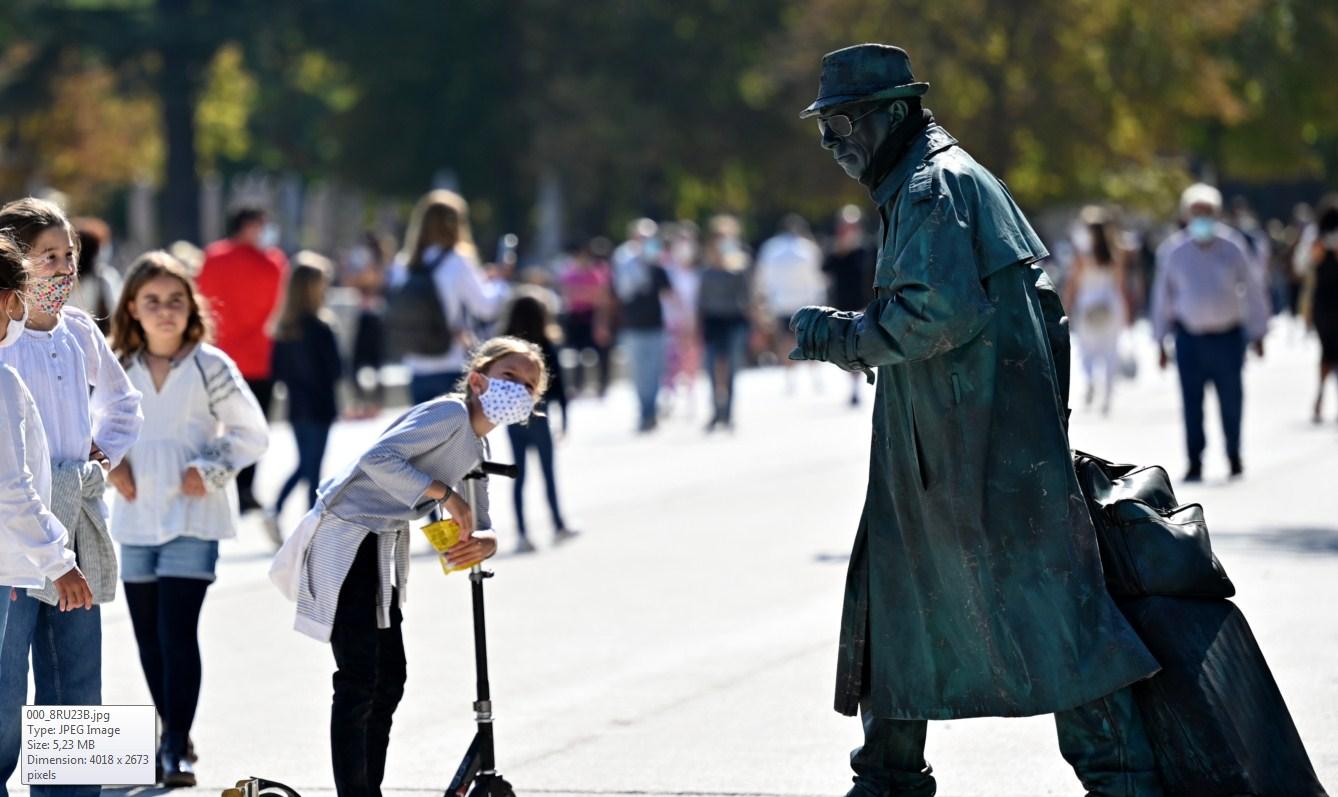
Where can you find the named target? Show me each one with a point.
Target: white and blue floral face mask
(505, 402)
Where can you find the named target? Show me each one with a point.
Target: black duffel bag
(1150, 544)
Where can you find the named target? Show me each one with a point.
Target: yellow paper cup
(443, 535)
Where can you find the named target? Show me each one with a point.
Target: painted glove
(828, 335)
(812, 336)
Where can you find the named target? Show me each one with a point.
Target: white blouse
(32, 540)
(81, 391)
(205, 417)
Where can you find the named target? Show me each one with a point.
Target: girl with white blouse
(32, 541)
(176, 497)
(90, 416)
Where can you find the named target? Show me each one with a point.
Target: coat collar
(930, 141)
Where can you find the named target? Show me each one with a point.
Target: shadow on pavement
(1305, 540)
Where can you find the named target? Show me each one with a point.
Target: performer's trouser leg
(891, 762)
(1105, 743)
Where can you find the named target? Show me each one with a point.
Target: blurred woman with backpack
(437, 294)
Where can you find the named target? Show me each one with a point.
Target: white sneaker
(271, 522)
(563, 535)
(524, 546)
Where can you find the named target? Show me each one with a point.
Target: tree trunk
(178, 84)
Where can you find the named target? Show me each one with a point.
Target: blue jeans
(67, 669)
(4, 614)
(726, 341)
(311, 438)
(537, 435)
(179, 557)
(1217, 358)
(425, 387)
(646, 348)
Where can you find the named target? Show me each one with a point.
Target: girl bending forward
(347, 563)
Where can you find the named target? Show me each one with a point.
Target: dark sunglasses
(841, 124)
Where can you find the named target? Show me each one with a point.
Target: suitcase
(1214, 714)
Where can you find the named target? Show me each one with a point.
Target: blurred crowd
(679, 308)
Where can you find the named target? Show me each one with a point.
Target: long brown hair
(441, 218)
(25, 219)
(305, 294)
(127, 334)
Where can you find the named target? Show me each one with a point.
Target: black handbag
(1150, 544)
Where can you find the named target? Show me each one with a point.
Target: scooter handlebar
(494, 469)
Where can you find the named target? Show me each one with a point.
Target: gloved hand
(812, 334)
(820, 334)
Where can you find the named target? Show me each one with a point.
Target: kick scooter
(477, 775)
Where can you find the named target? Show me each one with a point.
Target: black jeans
(263, 389)
(538, 435)
(311, 437)
(580, 337)
(166, 617)
(368, 681)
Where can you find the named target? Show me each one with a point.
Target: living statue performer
(975, 587)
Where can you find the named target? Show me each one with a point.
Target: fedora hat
(861, 73)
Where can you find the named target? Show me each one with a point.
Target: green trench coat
(975, 586)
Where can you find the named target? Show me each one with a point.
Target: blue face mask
(1202, 228)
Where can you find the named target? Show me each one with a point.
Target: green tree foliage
(667, 108)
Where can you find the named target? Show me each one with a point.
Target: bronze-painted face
(868, 128)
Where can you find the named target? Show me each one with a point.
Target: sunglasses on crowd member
(842, 124)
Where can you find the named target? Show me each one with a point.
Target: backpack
(415, 320)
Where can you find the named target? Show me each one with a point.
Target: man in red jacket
(242, 277)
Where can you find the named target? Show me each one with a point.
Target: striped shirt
(380, 493)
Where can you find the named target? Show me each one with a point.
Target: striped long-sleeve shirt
(380, 493)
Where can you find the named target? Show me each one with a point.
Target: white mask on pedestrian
(505, 402)
(269, 236)
(14, 329)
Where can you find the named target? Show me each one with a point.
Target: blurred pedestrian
(365, 271)
(788, 277)
(849, 267)
(1210, 296)
(528, 317)
(1320, 299)
(438, 295)
(99, 285)
(173, 506)
(682, 262)
(640, 284)
(587, 299)
(307, 363)
(241, 278)
(1097, 303)
(724, 305)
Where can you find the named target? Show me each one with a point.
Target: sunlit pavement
(686, 643)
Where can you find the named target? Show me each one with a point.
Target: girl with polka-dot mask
(346, 564)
